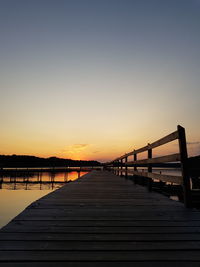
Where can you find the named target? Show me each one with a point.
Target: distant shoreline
(18, 161)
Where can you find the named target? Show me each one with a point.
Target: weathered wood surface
(168, 158)
(181, 156)
(102, 220)
(169, 138)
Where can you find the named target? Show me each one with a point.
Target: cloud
(79, 146)
(95, 152)
(75, 148)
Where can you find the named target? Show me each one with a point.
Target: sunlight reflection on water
(17, 192)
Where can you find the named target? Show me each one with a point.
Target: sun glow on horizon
(96, 79)
(84, 151)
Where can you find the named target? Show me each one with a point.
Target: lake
(19, 191)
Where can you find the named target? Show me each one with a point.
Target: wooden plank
(110, 223)
(114, 207)
(140, 150)
(169, 138)
(103, 230)
(167, 255)
(168, 158)
(164, 237)
(105, 202)
(96, 245)
(102, 264)
(94, 213)
(102, 219)
(93, 208)
(174, 216)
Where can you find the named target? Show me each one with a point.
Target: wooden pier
(191, 197)
(102, 220)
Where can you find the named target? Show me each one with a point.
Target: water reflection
(38, 180)
(18, 191)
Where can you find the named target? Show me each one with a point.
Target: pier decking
(102, 220)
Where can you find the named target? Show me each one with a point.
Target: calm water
(17, 192)
(166, 171)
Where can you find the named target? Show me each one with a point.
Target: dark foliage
(16, 161)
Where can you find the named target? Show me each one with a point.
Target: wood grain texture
(169, 138)
(102, 220)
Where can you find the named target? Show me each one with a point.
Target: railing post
(126, 168)
(135, 167)
(117, 167)
(149, 169)
(121, 172)
(135, 159)
(184, 166)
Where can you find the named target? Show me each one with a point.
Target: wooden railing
(181, 157)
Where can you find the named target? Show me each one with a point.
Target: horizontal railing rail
(181, 156)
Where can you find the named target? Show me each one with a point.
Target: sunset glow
(96, 79)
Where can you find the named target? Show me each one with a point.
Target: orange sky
(93, 81)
